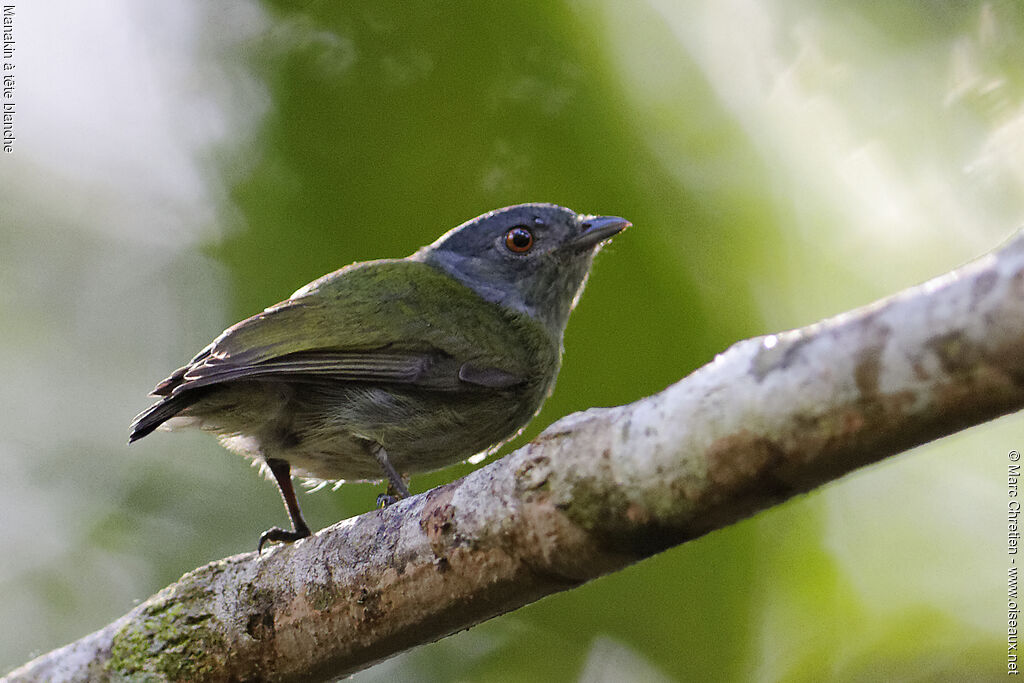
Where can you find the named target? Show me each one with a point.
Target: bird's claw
(279, 535)
(386, 499)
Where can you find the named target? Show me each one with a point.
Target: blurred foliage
(387, 128)
(781, 161)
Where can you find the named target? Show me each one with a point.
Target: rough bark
(768, 419)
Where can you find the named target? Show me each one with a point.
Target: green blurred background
(180, 166)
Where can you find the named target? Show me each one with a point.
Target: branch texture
(770, 418)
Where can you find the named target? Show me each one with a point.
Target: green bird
(398, 365)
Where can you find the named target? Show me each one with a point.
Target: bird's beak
(597, 229)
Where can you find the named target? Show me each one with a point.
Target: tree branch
(768, 419)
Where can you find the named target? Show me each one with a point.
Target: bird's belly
(419, 430)
(330, 431)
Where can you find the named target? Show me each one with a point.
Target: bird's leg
(281, 471)
(396, 485)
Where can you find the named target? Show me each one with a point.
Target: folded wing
(359, 324)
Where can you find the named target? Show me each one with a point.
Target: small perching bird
(398, 365)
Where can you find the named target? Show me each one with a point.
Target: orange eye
(519, 239)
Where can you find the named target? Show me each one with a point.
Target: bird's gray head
(531, 257)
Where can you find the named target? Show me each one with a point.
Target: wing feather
(381, 367)
(394, 321)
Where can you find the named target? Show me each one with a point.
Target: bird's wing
(388, 321)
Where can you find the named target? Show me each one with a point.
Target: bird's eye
(519, 239)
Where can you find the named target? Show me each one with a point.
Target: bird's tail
(158, 413)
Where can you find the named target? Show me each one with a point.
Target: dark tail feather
(158, 413)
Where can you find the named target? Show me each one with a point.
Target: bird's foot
(386, 499)
(279, 535)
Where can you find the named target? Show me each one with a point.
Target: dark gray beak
(597, 229)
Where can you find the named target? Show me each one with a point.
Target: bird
(387, 368)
